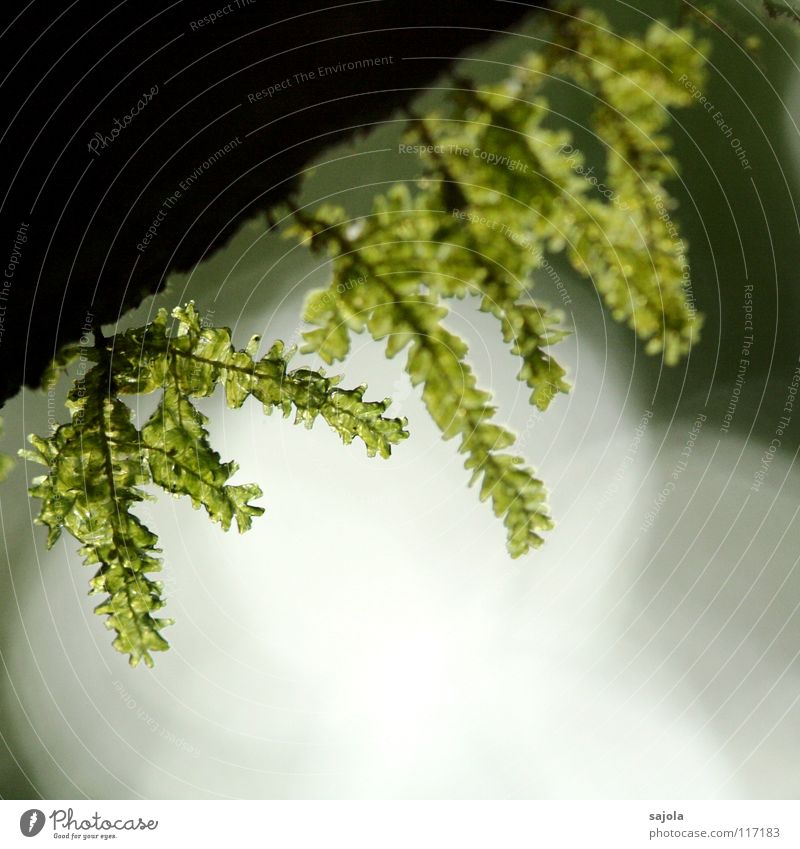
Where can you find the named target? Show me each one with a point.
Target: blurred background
(370, 637)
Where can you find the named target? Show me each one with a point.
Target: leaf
(181, 461)
(94, 479)
(500, 191)
(98, 463)
(436, 359)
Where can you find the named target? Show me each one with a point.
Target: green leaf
(501, 190)
(98, 463)
(182, 462)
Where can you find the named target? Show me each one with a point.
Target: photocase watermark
(198, 172)
(744, 360)
(680, 245)
(780, 429)
(32, 822)
(79, 387)
(321, 304)
(627, 460)
(521, 241)
(500, 160)
(719, 119)
(153, 724)
(223, 11)
(183, 186)
(574, 161)
(530, 425)
(329, 297)
(100, 141)
(20, 237)
(317, 73)
(67, 825)
(677, 470)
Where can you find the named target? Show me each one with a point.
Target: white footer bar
(402, 824)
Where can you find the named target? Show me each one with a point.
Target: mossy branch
(500, 191)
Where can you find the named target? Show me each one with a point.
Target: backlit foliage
(504, 185)
(98, 462)
(501, 187)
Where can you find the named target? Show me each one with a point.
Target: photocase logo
(31, 822)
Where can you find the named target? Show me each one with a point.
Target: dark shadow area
(140, 136)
